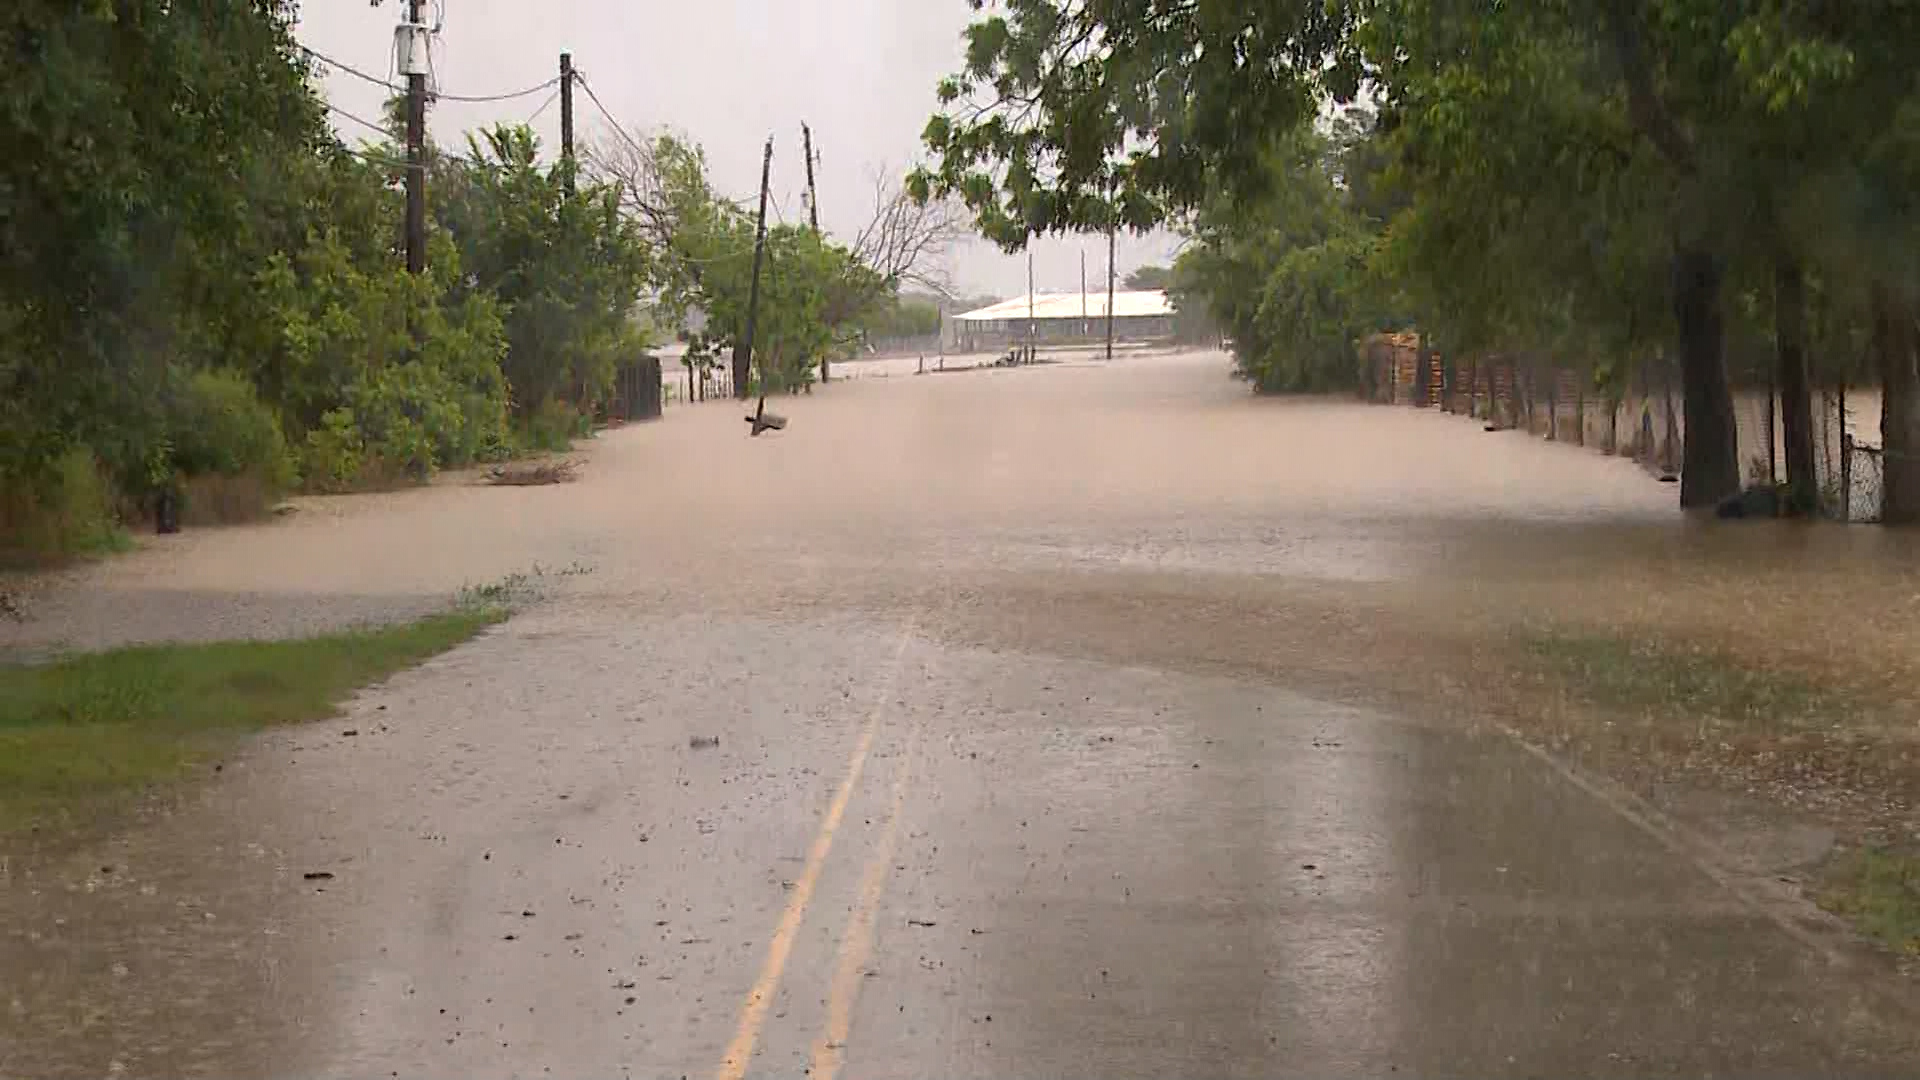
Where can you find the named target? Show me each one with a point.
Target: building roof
(1126, 304)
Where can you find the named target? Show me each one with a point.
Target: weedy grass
(82, 735)
(1648, 676)
(1878, 890)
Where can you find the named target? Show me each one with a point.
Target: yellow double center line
(829, 1051)
(856, 944)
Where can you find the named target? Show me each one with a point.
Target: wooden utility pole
(1083, 292)
(1033, 328)
(813, 193)
(743, 349)
(1111, 234)
(566, 116)
(416, 69)
(813, 218)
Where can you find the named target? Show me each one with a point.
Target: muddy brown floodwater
(1081, 719)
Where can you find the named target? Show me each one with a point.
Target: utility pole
(743, 349)
(1111, 234)
(813, 216)
(813, 193)
(1083, 292)
(566, 116)
(1033, 329)
(414, 63)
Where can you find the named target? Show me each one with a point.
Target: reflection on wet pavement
(1151, 822)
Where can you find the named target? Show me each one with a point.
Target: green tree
(565, 265)
(1288, 272)
(814, 295)
(907, 315)
(149, 149)
(1830, 89)
(1072, 115)
(1150, 277)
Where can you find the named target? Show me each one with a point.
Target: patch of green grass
(1878, 890)
(79, 735)
(1648, 676)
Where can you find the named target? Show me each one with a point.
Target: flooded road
(1062, 720)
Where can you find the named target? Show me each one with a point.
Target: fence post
(1553, 405)
(1580, 407)
(1773, 401)
(650, 404)
(1673, 422)
(1846, 470)
(1846, 456)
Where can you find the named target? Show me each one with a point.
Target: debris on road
(533, 473)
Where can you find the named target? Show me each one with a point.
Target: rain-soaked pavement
(977, 725)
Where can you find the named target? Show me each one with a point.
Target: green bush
(64, 513)
(553, 426)
(220, 427)
(334, 454)
(376, 407)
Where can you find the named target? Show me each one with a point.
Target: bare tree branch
(904, 241)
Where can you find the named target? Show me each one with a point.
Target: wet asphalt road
(928, 841)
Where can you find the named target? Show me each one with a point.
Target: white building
(1053, 318)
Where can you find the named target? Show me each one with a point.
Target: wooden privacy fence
(637, 391)
(1641, 418)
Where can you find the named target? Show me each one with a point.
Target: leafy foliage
(196, 279)
(149, 146)
(565, 266)
(905, 316)
(1612, 179)
(1073, 115)
(815, 293)
(1290, 275)
(1150, 277)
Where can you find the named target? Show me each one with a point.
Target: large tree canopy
(1619, 176)
(1074, 114)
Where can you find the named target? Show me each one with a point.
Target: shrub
(219, 427)
(334, 454)
(66, 512)
(553, 426)
(376, 405)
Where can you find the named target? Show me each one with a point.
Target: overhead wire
(481, 98)
(398, 89)
(581, 78)
(549, 84)
(354, 71)
(368, 124)
(544, 106)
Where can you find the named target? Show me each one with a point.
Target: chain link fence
(1642, 419)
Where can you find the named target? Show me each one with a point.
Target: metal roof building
(1064, 317)
(1138, 304)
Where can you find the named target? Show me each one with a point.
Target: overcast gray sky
(726, 72)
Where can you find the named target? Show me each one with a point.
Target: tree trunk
(1893, 346)
(1709, 451)
(1796, 396)
(1421, 382)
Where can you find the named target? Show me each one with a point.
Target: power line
(481, 98)
(470, 98)
(368, 124)
(581, 78)
(544, 106)
(354, 71)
